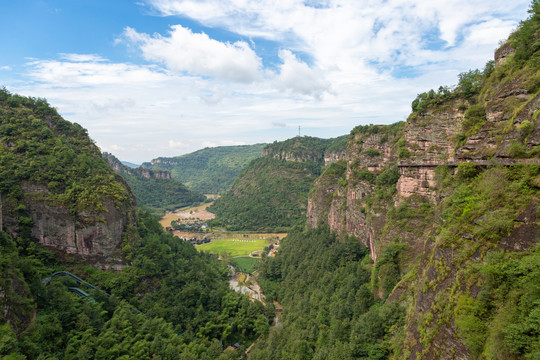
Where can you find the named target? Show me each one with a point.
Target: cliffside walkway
(77, 279)
(79, 291)
(491, 162)
(82, 294)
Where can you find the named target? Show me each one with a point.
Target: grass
(233, 247)
(246, 264)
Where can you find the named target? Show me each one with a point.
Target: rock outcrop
(360, 198)
(63, 195)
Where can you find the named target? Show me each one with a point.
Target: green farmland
(227, 248)
(246, 264)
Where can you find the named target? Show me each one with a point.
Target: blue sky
(153, 78)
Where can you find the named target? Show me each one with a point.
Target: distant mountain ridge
(130, 164)
(209, 170)
(155, 189)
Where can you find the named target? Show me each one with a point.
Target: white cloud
(175, 144)
(299, 77)
(5, 67)
(185, 51)
(91, 72)
(82, 57)
(350, 55)
(341, 32)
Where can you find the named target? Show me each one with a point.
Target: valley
(417, 240)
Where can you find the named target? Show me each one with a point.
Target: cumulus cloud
(343, 32)
(299, 77)
(357, 58)
(196, 53)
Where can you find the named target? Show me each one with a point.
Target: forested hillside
(330, 312)
(210, 170)
(54, 184)
(155, 190)
(447, 206)
(63, 208)
(271, 193)
(172, 302)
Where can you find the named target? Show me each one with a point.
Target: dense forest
(169, 301)
(155, 194)
(324, 285)
(458, 275)
(210, 170)
(271, 193)
(452, 270)
(38, 146)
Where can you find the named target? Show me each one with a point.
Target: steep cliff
(155, 189)
(435, 199)
(55, 187)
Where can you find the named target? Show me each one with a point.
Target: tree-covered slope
(210, 170)
(54, 184)
(330, 311)
(169, 301)
(155, 190)
(172, 302)
(448, 205)
(271, 193)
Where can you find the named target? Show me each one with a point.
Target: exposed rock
(120, 168)
(89, 235)
(348, 203)
(331, 157)
(502, 53)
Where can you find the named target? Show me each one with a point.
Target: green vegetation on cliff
(37, 146)
(305, 148)
(156, 194)
(188, 310)
(210, 170)
(169, 301)
(271, 193)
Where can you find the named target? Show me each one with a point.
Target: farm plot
(246, 264)
(227, 248)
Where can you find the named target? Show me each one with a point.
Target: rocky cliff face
(95, 236)
(302, 149)
(63, 195)
(339, 199)
(499, 127)
(120, 168)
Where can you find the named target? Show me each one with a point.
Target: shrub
(372, 152)
(517, 150)
(404, 153)
(467, 170)
(525, 129)
(475, 118)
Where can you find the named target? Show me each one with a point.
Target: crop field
(227, 248)
(246, 264)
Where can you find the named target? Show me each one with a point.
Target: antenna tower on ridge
(298, 130)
